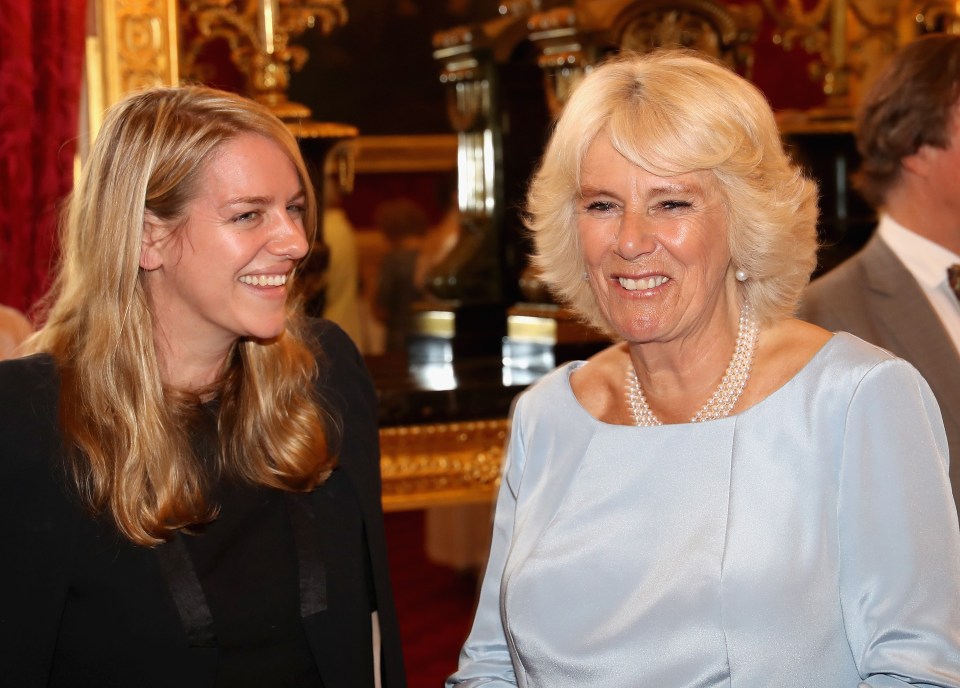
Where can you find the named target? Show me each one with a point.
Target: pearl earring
(741, 275)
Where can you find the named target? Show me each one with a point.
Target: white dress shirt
(927, 261)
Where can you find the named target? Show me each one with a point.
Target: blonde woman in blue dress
(727, 496)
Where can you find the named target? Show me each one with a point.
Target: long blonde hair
(127, 436)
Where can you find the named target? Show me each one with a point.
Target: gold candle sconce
(258, 33)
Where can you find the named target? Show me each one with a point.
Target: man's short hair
(909, 105)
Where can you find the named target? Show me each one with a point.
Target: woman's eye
(600, 206)
(673, 205)
(295, 210)
(247, 217)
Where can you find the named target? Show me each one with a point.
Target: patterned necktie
(953, 278)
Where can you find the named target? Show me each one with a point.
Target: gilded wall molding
(441, 464)
(415, 153)
(131, 45)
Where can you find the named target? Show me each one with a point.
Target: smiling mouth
(643, 283)
(264, 280)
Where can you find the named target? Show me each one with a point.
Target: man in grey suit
(895, 292)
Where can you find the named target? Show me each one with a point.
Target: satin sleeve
(485, 657)
(898, 535)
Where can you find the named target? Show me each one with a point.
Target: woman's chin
(267, 332)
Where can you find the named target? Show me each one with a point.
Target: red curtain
(41, 67)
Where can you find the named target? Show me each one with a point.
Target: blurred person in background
(403, 223)
(902, 290)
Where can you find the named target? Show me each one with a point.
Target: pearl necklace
(726, 395)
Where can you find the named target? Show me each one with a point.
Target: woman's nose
(290, 239)
(636, 236)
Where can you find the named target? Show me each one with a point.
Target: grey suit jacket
(874, 296)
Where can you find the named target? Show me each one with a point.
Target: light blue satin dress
(809, 542)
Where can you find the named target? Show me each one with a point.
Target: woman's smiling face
(655, 248)
(224, 274)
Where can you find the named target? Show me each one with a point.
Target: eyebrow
(658, 190)
(262, 200)
(248, 200)
(677, 187)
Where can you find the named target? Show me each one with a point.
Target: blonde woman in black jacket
(189, 470)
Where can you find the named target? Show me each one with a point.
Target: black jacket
(74, 589)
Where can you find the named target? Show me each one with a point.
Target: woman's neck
(678, 377)
(190, 369)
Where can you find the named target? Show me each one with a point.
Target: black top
(246, 567)
(286, 604)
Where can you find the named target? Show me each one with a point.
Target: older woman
(728, 496)
(189, 472)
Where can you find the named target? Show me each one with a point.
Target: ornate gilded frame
(442, 464)
(131, 44)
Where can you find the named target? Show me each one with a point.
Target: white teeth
(641, 284)
(264, 280)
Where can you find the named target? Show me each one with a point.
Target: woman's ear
(154, 232)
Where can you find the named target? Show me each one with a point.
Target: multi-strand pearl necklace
(726, 395)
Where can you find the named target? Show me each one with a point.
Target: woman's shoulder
(26, 378)
(853, 349)
(597, 384)
(332, 339)
(806, 340)
(343, 377)
(576, 387)
(337, 354)
(552, 383)
(800, 353)
(785, 349)
(29, 388)
(347, 394)
(806, 347)
(861, 359)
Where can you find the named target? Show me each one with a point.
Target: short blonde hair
(672, 112)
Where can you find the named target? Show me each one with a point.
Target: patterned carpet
(435, 603)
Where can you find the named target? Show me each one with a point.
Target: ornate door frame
(130, 44)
